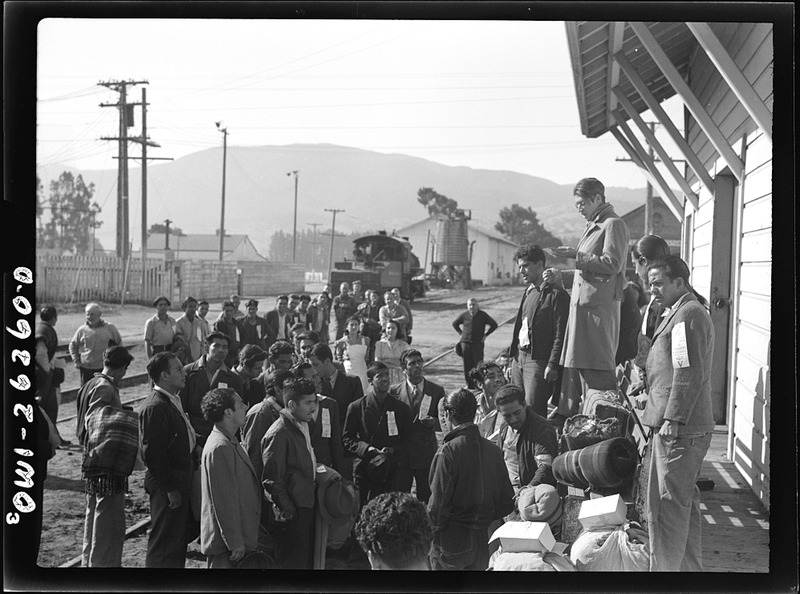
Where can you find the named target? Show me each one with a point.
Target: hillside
(376, 190)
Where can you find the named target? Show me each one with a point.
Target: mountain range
(375, 191)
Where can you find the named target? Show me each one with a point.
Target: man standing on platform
(538, 334)
(470, 489)
(679, 411)
(592, 334)
(471, 325)
(423, 397)
(192, 329)
(90, 342)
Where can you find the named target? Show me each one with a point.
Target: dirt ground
(64, 500)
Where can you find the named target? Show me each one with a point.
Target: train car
(381, 262)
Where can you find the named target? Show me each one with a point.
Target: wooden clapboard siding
(750, 46)
(750, 424)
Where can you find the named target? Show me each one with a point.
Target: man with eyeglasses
(592, 334)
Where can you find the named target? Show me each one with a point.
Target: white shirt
(177, 402)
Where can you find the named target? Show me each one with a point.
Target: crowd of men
(250, 418)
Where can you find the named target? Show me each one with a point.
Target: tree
(437, 204)
(162, 228)
(521, 225)
(73, 215)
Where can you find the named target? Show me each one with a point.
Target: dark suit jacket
(328, 450)
(165, 446)
(232, 330)
(367, 425)
(346, 390)
(548, 326)
(423, 444)
(273, 321)
(197, 385)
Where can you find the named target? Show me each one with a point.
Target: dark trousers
(166, 546)
(86, 375)
(423, 487)
(294, 542)
(473, 354)
(458, 547)
(528, 374)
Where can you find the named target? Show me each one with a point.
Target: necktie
(327, 388)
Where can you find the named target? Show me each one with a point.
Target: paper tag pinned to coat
(392, 423)
(222, 385)
(326, 423)
(680, 352)
(425, 407)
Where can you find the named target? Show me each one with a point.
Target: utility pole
(333, 234)
(648, 204)
(314, 245)
(167, 223)
(122, 173)
(294, 226)
(224, 129)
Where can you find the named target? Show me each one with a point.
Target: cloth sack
(376, 469)
(621, 548)
(584, 430)
(521, 561)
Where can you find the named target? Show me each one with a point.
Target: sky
(484, 94)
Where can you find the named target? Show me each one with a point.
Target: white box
(605, 511)
(524, 537)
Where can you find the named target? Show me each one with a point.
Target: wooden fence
(79, 279)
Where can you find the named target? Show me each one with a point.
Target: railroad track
(142, 525)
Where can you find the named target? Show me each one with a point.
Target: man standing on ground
(344, 306)
(679, 411)
(592, 334)
(160, 330)
(472, 326)
(255, 329)
(46, 335)
(231, 507)
(261, 416)
(192, 329)
(377, 430)
(249, 368)
(171, 454)
(279, 319)
(470, 489)
(392, 311)
(538, 334)
(104, 477)
(405, 304)
(289, 473)
(90, 342)
(230, 326)
(422, 396)
(207, 373)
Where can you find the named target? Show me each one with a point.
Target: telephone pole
(224, 129)
(294, 226)
(314, 245)
(125, 122)
(333, 234)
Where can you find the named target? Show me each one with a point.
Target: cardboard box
(605, 511)
(525, 537)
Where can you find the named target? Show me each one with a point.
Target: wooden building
(722, 72)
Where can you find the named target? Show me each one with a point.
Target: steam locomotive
(381, 262)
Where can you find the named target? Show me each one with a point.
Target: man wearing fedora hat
(470, 488)
(231, 504)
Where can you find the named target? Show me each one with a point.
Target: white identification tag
(326, 423)
(425, 407)
(680, 353)
(258, 332)
(390, 421)
(222, 385)
(199, 334)
(238, 338)
(524, 339)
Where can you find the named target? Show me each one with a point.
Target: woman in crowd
(353, 351)
(389, 349)
(489, 378)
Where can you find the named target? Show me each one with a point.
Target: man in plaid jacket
(109, 437)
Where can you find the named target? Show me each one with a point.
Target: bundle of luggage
(528, 546)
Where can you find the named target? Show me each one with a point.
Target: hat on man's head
(336, 498)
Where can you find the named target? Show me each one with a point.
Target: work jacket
(536, 437)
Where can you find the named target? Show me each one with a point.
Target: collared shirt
(333, 377)
(511, 457)
(209, 374)
(160, 332)
(411, 389)
(282, 326)
(532, 296)
(176, 400)
(303, 427)
(193, 333)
